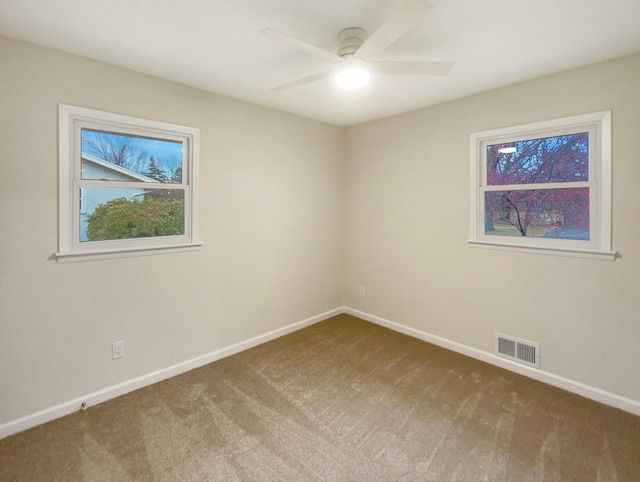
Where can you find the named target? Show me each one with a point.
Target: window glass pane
(542, 213)
(119, 157)
(123, 213)
(550, 159)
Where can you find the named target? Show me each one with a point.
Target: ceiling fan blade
(412, 68)
(400, 21)
(302, 46)
(305, 80)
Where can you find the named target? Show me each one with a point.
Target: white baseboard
(593, 393)
(114, 391)
(91, 399)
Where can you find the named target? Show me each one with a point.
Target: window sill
(72, 257)
(547, 250)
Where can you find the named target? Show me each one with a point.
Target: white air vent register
(518, 350)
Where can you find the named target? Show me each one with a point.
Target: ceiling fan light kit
(353, 75)
(355, 58)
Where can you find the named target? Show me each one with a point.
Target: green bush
(123, 219)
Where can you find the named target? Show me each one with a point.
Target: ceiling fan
(357, 52)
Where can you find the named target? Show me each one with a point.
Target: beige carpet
(343, 400)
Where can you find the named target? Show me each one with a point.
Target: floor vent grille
(521, 351)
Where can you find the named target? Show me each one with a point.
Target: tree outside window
(551, 212)
(124, 213)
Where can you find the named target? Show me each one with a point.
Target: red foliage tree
(550, 162)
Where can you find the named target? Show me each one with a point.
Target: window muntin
(544, 187)
(127, 185)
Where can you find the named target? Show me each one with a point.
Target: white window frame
(598, 124)
(71, 119)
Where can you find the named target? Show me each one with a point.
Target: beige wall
(289, 208)
(408, 210)
(271, 220)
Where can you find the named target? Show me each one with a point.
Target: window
(128, 186)
(544, 187)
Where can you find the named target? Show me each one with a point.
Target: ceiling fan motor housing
(351, 39)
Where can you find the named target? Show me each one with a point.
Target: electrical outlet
(117, 349)
(362, 291)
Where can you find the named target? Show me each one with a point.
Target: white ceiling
(215, 45)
